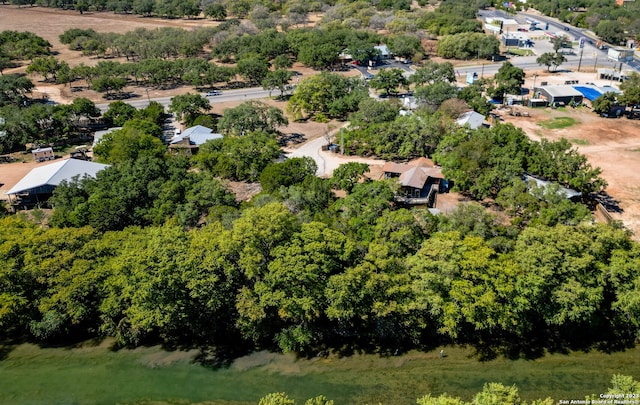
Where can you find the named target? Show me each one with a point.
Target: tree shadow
(608, 202)
(293, 138)
(6, 347)
(219, 357)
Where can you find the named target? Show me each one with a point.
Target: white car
(213, 93)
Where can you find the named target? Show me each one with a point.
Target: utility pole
(581, 51)
(580, 60)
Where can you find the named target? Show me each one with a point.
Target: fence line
(603, 211)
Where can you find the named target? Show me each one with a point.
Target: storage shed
(43, 154)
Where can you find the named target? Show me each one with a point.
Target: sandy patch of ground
(11, 173)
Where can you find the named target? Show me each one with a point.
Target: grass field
(98, 375)
(558, 123)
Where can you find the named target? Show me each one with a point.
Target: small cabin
(43, 154)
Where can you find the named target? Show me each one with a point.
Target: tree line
(273, 276)
(622, 386)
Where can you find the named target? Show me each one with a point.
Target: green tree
(508, 80)
(251, 116)
(549, 59)
(623, 384)
(318, 55)
(497, 394)
(277, 79)
(435, 94)
(290, 295)
(433, 72)
(631, 90)
(44, 65)
(239, 157)
(443, 399)
(282, 62)
(108, 84)
(482, 162)
(604, 103)
(285, 174)
(405, 46)
(610, 31)
(118, 113)
(327, 93)
(560, 42)
(253, 69)
(276, 398)
(188, 106)
(14, 89)
(347, 175)
(216, 11)
(371, 111)
(389, 80)
(135, 139)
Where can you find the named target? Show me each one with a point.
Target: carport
(560, 94)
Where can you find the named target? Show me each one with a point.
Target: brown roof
(414, 174)
(422, 162)
(391, 167)
(416, 177)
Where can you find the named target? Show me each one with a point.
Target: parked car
(213, 93)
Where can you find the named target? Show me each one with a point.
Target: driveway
(327, 161)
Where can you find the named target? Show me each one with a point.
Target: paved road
(227, 95)
(592, 56)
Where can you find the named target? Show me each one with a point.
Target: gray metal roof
(471, 118)
(53, 174)
(197, 135)
(560, 91)
(97, 137)
(566, 192)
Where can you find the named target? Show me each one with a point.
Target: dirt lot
(612, 144)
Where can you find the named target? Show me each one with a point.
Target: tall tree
(188, 106)
(277, 79)
(389, 80)
(252, 116)
(631, 90)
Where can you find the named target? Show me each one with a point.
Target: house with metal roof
(191, 138)
(472, 119)
(565, 192)
(38, 185)
(97, 136)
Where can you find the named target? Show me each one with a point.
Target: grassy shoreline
(98, 375)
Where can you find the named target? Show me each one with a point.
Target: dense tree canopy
(252, 116)
(241, 157)
(328, 94)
